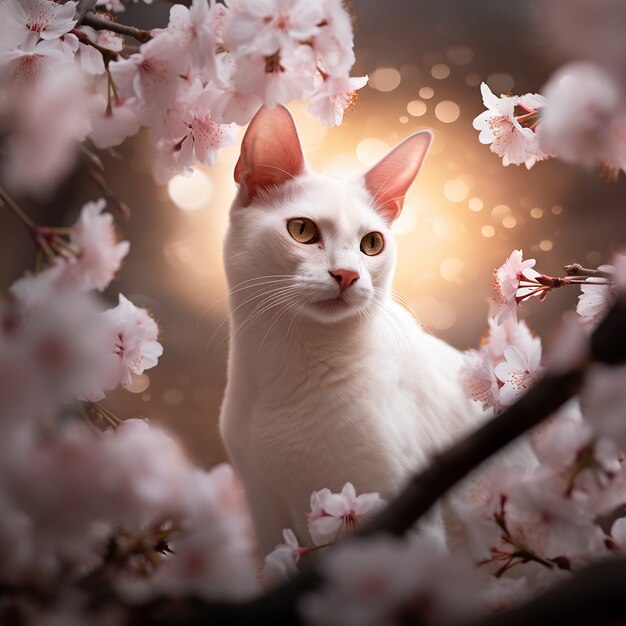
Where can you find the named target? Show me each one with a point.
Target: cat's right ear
(271, 153)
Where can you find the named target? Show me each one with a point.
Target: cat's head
(322, 246)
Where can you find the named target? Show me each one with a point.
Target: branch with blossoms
(191, 83)
(508, 362)
(580, 119)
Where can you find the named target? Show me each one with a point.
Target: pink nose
(345, 278)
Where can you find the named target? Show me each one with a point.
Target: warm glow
(371, 150)
(416, 108)
(385, 79)
(447, 111)
(450, 269)
(440, 71)
(407, 220)
(475, 204)
(427, 93)
(192, 192)
(456, 190)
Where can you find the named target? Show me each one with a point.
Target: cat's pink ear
(271, 153)
(389, 180)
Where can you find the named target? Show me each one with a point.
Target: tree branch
(98, 22)
(592, 597)
(607, 345)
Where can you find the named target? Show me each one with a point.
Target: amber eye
(303, 230)
(372, 244)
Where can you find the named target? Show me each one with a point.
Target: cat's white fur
(318, 393)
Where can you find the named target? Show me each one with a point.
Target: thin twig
(8, 202)
(100, 23)
(575, 269)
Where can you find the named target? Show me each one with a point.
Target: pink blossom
(603, 399)
(153, 75)
(334, 514)
(99, 254)
(189, 134)
(281, 563)
(41, 153)
(594, 301)
(266, 27)
(278, 79)
(515, 282)
(22, 67)
(518, 372)
(578, 122)
(372, 582)
(500, 126)
(144, 474)
(479, 379)
(192, 29)
(334, 97)
(333, 42)
(111, 124)
(135, 347)
(212, 553)
(511, 332)
(39, 19)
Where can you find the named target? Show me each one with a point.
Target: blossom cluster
(509, 360)
(579, 117)
(191, 83)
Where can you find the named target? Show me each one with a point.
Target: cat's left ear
(389, 180)
(271, 153)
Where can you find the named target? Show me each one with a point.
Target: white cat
(329, 380)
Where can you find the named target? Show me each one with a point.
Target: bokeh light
(191, 192)
(385, 79)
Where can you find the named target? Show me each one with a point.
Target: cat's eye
(372, 244)
(303, 230)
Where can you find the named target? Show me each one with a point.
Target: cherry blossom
(334, 97)
(334, 514)
(370, 581)
(594, 301)
(38, 19)
(513, 274)
(602, 401)
(111, 123)
(192, 29)
(40, 152)
(519, 371)
(277, 79)
(511, 135)
(153, 75)
(333, 42)
(99, 254)
(267, 27)
(479, 379)
(189, 134)
(578, 121)
(134, 341)
(281, 563)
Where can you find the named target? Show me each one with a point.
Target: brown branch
(98, 22)
(592, 597)
(576, 269)
(607, 345)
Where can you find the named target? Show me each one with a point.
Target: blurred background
(461, 219)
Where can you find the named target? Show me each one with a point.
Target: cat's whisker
(246, 301)
(240, 287)
(261, 308)
(286, 308)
